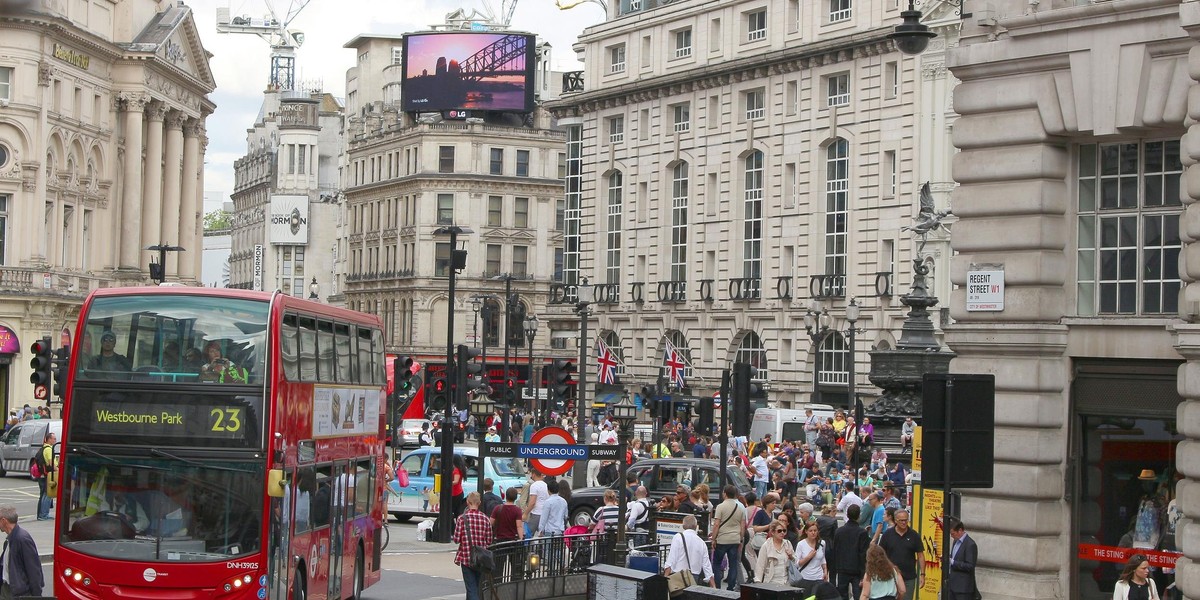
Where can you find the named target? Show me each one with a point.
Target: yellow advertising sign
(927, 515)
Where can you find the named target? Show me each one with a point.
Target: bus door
(343, 503)
(280, 538)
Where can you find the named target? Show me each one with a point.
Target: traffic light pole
(445, 497)
(724, 435)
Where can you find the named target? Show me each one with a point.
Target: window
(445, 159)
(301, 161)
(837, 89)
(493, 260)
(681, 346)
(839, 10)
(793, 16)
(888, 177)
(837, 186)
(397, 55)
(558, 264)
(752, 222)
(891, 80)
(683, 43)
(562, 165)
(445, 209)
(756, 26)
(497, 162)
(616, 59)
(615, 209)
(571, 213)
(6, 83)
(683, 117)
(714, 35)
(1129, 244)
(521, 212)
(752, 351)
(756, 104)
(560, 209)
(495, 211)
(441, 259)
(522, 163)
(616, 129)
(834, 360)
(4, 198)
(520, 265)
(679, 225)
(791, 97)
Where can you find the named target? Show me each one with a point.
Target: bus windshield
(174, 339)
(163, 509)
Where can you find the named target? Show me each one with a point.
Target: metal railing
(555, 566)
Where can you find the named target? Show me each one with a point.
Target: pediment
(934, 11)
(497, 233)
(173, 38)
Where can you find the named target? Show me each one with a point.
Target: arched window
(752, 221)
(613, 255)
(679, 224)
(834, 360)
(837, 194)
(751, 351)
(490, 314)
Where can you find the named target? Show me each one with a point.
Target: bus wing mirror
(275, 483)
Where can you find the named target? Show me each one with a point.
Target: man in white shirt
(811, 427)
(607, 435)
(538, 495)
(848, 500)
(637, 514)
(688, 553)
(762, 472)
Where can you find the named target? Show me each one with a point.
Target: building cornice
(530, 186)
(873, 42)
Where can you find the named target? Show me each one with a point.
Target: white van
(19, 444)
(785, 423)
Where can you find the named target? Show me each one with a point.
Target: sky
(241, 63)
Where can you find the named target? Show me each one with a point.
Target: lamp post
(457, 262)
(476, 304)
(816, 323)
(624, 412)
(583, 307)
(531, 325)
(314, 290)
(482, 407)
(158, 271)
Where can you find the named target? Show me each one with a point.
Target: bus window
(306, 484)
(325, 353)
(308, 349)
(289, 347)
(322, 497)
(158, 337)
(363, 475)
(341, 336)
(364, 355)
(377, 358)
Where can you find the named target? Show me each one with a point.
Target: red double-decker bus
(220, 444)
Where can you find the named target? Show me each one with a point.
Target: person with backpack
(43, 462)
(638, 512)
(425, 439)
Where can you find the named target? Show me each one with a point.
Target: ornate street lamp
(531, 325)
(624, 412)
(482, 407)
(314, 290)
(911, 36)
(583, 308)
(816, 323)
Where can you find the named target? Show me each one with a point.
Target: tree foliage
(217, 220)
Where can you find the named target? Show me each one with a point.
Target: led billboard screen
(481, 71)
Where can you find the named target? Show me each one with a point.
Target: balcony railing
(783, 288)
(824, 287)
(572, 81)
(745, 288)
(607, 293)
(672, 291)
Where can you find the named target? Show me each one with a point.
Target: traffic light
(705, 408)
(743, 389)
(440, 390)
(43, 358)
(510, 391)
(61, 359)
(560, 383)
(469, 375)
(650, 400)
(402, 372)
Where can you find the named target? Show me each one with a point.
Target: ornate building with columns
(1078, 180)
(731, 161)
(102, 115)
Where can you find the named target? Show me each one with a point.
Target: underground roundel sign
(552, 451)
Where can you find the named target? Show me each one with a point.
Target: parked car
(425, 462)
(410, 431)
(20, 444)
(660, 476)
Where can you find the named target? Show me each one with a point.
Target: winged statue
(928, 217)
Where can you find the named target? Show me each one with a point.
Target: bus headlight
(77, 577)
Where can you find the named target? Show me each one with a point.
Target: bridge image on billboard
(472, 71)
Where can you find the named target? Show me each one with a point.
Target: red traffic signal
(439, 385)
(510, 383)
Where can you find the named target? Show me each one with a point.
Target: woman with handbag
(811, 550)
(688, 562)
(882, 580)
(774, 557)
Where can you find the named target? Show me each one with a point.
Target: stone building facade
(102, 118)
(1077, 178)
(731, 161)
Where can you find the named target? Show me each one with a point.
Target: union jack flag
(674, 363)
(606, 363)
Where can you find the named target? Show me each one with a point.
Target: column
(196, 220)
(190, 201)
(1012, 178)
(152, 178)
(132, 104)
(1187, 335)
(169, 226)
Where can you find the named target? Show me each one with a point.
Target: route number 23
(227, 419)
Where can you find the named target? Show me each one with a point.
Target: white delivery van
(19, 444)
(785, 423)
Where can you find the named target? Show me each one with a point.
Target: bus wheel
(298, 591)
(401, 518)
(358, 577)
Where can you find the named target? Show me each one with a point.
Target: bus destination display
(174, 420)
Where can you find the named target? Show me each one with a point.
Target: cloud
(241, 63)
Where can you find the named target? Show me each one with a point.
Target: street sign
(509, 450)
(985, 290)
(41, 392)
(553, 436)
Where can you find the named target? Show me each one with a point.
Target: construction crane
(275, 32)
